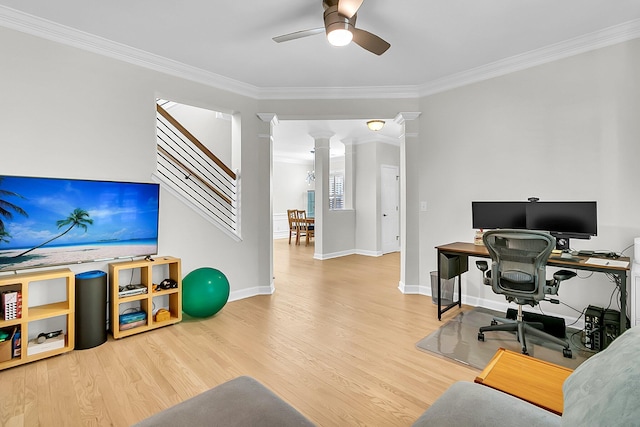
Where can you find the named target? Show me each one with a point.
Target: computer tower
(601, 327)
(593, 320)
(611, 327)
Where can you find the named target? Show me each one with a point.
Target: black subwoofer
(91, 309)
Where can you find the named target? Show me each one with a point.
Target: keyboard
(565, 258)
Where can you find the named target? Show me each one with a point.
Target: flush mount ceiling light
(375, 125)
(340, 37)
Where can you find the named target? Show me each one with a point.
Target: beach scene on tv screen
(50, 221)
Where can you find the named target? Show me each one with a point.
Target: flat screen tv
(52, 221)
(564, 219)
(489, 215)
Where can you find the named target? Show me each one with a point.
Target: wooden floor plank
(336, 340)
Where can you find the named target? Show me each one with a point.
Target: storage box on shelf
(144, 276)
(32, 316)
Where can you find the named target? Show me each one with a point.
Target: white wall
(368, 157)
(289, 192)
(567, 130)
(290, 186)
(213, 131)
(69, 113)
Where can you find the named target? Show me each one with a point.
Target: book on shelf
(12, 305)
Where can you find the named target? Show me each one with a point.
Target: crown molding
(23, 22)
(376, 139)
(13, 19)
(368, 92)
(609, 36)
(272, 118)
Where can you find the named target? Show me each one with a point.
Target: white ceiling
(432, 42)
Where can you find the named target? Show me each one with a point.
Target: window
(336, 191)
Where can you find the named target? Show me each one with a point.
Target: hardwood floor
(336, 340)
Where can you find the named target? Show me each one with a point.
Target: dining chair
(292, 214)
(306, 226)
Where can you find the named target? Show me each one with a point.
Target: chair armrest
(561, 275)
(484, 267)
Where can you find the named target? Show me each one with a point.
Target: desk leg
(622, 279)
(439, 290)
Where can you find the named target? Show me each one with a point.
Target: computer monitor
(489, 215)
(563, 219)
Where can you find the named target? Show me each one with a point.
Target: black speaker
(91, 309)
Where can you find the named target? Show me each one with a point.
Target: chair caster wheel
(480, 336)
(566, 352)
(493, 323)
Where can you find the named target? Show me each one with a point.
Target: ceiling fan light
(375, 125)
(340, 37)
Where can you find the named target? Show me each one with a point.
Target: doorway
(390, 208)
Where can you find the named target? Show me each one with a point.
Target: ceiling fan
(340, 26)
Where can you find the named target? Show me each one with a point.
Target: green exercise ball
(204, 292)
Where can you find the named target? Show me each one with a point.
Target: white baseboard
(333, 255)
(252, 292)
(347, 252)
(368, 253)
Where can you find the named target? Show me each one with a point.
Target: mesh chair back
(519, 258)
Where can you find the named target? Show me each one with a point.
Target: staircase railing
(192, 172)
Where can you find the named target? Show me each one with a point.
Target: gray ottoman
(241, 402)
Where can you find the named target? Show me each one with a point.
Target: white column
(349, 175)
(409, 203)
(265, 148)
(322, 144)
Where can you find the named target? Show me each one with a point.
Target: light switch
(423, 206)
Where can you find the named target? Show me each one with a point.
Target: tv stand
(34, 286)
(146, 295)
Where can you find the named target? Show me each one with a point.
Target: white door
(389, 206)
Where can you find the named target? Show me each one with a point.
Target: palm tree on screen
(6, 207)
(77, 218)
(4, 236)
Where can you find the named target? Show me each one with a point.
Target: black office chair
(518, 268)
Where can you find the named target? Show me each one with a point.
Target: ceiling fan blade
(298, 35)
(349, 8)
(370, 42)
